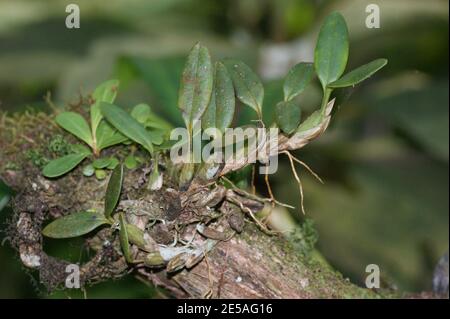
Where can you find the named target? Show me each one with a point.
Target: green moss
(59, 146)
(304, 238)
(36, 157)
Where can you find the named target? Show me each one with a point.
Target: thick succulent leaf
(107, 136)
(101, 162)
(331, 53)
(136, 236)
(157, 136)
(141, 112)
(74, 123)
(63, 165)
(113, 163)
(100, 174)
(88, 170)
(130, 162)
(288, 116)
(105, 92)
(248, 87)
(359, 74)
(220, 111)
(311, 121)
(74, 225)
(196, 85)
(144, 115)
(113, 190)
(297, 80)
(127, 125)
(123, 237)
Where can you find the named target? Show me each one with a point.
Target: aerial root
(269, 188)
(299, 182)
(305, 166)
(293, 159)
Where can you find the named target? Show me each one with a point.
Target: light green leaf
(113, 163)
(196, 85)
(101, 162)
(288, 116)
(63, 165)
(88, 170)
(74, 225)
(311, 121)
(297, 80)
(157, 136)
(220, 111)
(79, 149)
(144, 115)
(105, 92)
(130, 162)
(141, 112)
(331, 53)
(108, 136)
(359, 74)
(127, 125)
(113, 190)
(123, 236)
(248, 87)
(100, 174)
(136, 236)
(74, 123)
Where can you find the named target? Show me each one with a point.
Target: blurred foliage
(384, 158)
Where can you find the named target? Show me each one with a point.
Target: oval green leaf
(331, 53)
(196, 85)
(311, 121)
(287, 115)
(100, 174)
(74, 123)
(113, 164)
(144, 115)
(136, 236)
(297, 80)
(88, 170)
(63, 165)
(359, 74)
(123, 237)
(105, 92)
(249, 89)
(127, 125)
(141, 112)
(113, 190)
(107, 136)
(74, 225)
(101, 162)
(130, 162)
(220, 111)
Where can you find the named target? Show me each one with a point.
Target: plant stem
(325, 99)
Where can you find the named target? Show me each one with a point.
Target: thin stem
(325, 99)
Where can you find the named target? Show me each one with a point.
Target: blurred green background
(384, 158)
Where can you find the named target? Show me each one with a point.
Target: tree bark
(250, 264)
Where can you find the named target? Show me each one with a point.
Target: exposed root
(299, 182)
(269, 188)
